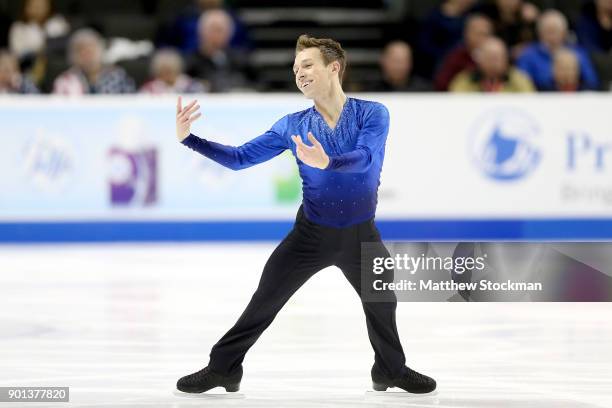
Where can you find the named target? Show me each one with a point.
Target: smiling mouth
(305, 84)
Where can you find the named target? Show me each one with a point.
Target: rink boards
(456, 168)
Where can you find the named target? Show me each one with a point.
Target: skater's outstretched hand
(314, 155)
(185, 117)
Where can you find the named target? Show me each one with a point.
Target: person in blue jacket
(339, 145)
(537, 59)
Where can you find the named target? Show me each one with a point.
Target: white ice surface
(119, 324)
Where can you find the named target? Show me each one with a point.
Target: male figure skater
(340, 168)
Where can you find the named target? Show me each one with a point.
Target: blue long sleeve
(371, 139)
(261, 149)
(345, 193)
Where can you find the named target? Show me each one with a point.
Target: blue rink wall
(101, 169)
(415, 230)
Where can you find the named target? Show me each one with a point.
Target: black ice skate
(206, 379)
(409, 381)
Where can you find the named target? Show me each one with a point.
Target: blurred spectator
(38, 32)
(168, 76)
(182, 33)
(11, 79)
(396, 70)
(221, 67)
(595, 34)
(492, 73)
(440, 32)
(37, 24)
(537, 59)
(513, 22)
(477, 29)
(88, 74)
(566, 71)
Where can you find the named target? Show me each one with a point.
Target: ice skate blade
(215, 393)
(399, 393)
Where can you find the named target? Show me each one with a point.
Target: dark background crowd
(75, 47)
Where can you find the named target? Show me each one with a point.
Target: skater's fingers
(187, 108)
(297, 140)
(193, 109)
(307, 148)
(188, 112)
(194, 115)
(194, 118)
(313, 140)
(178, 105)
(185, 119)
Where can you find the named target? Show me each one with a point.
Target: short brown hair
(330, 50)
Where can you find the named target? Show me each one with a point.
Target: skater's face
(312, 76)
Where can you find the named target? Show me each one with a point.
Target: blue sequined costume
(343, 194)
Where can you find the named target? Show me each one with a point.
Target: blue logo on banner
(503, 144)
(48, 161)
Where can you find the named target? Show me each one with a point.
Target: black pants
(308, 248)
